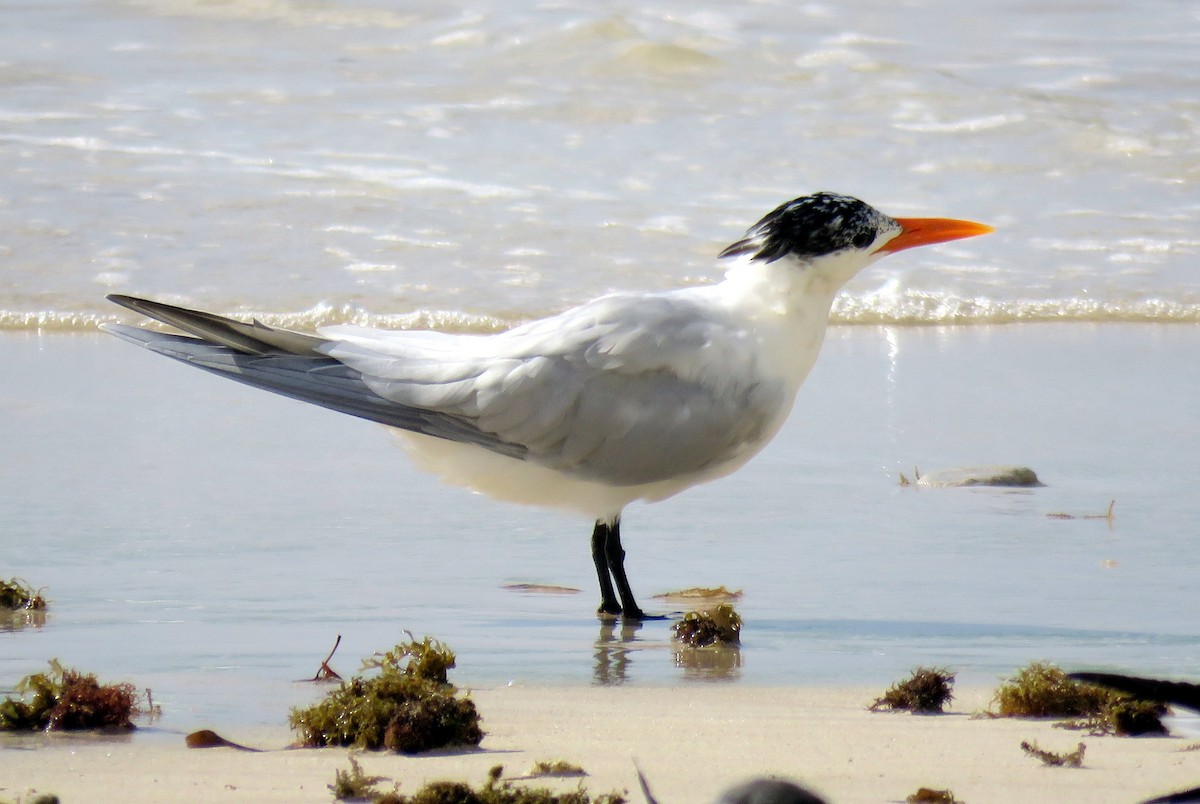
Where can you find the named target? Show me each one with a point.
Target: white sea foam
(591, 150)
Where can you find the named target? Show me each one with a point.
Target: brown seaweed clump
(1055, 759)
(65, 699)
(928, 795)
(702, 593)
(1043, 690)
(1126, 716)
(354, 785)
(701, 628)
(556, 767)
(927, 691)
(409, 706)
(17, 595)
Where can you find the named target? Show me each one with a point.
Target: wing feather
(627, 389)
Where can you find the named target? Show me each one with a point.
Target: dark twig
(327, 673)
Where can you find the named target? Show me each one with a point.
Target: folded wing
(625, 390)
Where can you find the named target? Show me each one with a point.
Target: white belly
(513, 480)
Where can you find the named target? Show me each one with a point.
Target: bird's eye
(863, 239)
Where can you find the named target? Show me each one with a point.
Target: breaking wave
(911, 308)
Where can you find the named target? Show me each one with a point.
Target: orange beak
(927, 231)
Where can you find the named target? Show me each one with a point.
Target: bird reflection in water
(613, 647)
(619, 639)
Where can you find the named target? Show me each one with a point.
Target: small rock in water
(1006, 476)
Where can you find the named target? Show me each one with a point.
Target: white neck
(787, 303)
(795, 283)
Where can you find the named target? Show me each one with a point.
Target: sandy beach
(690, 741)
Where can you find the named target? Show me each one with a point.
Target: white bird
(632, 396)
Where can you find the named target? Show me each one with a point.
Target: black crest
(811, 226)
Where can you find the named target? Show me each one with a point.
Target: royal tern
(632, 396)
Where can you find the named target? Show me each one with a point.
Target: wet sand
(690, 742)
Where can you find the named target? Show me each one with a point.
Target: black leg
(608, 598)
(616, 566)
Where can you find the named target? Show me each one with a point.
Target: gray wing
(259, 356)
(628, 389)
(625, 390)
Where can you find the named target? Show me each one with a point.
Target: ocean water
(313, 161)
(411, 166)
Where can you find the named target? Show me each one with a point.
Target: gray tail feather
(320, 380)
(254, 338)
(288, 364)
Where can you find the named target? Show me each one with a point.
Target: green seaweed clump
(429, 659)
(354, 785)
(64, 700)
(16, 595)
(495, 791)
(927, 691)
(407, 707)
(701, 628)
(1043, 690)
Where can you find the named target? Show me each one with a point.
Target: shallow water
(210, 541)
(310, 162)
(352, 158)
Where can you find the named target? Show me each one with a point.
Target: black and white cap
(813, 226)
